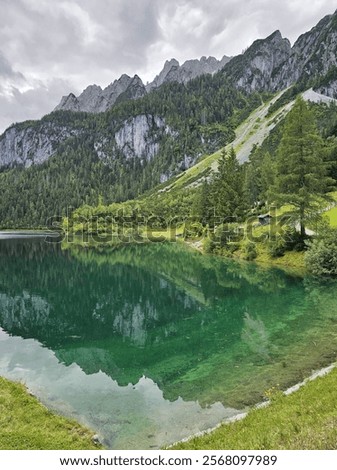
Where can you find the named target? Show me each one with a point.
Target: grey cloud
(80, 38)
(6, 70)
(230, 26)
(60, 46)
(5, 67)
(31, 104)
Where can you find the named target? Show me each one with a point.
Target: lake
(148, 344)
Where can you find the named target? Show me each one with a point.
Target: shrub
(208, 245)
(228, 233)
(277, 247)
(249, 251)
(290, 240)
(321, 257)
(293, 240)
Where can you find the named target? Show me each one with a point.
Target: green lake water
(148, 344)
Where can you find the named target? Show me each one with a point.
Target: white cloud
(50, 47)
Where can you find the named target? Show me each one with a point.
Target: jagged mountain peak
(94, 99)
(172, 62)
(192, 68)
(269, 64)
(313, 55)
(68, 103)
(254, 69)
(276, 35)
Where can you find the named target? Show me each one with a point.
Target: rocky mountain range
(166, 128)
(174, 72)
(95, 100)
(269, 64)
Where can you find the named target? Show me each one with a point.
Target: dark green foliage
(321, 257)
(225, 239)
(293, 240)
(260, 171)
(201, 114)
(300, 168)
(250, 251)
(202, 205)
(227, 188)
(277, 247)
(259, 176)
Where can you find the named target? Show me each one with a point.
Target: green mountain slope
(181, 124)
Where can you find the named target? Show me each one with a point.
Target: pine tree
(300, 169)
(202, 205)
(268, 175)
(228, 187)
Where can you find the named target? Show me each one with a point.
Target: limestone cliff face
(139, 136)
(31, 145)
(271, 64)
(254, 69)
(313, 55)
(95, 100)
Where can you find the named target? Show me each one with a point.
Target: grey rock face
(31, 145)
(312, 55)
(139, 136)
(253, 70)
(174, 72)
(272, 64)
(68, 103)
(329, 90)
(95, 100)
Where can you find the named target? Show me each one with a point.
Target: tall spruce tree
(202, 205)
(301, 172)
(228, 187)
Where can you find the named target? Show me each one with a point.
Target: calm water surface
(148, 344)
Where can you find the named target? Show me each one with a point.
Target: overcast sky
(49, 48)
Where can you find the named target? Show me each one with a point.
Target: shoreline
(323, 372)
(241, 416)
(290, 261)
(19, 234)
(33, 426)
(266, 263)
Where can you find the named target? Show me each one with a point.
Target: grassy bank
(27, 424)
(306, 419)
(290, 259)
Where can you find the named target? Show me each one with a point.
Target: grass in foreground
(27, 424)
(306, 419)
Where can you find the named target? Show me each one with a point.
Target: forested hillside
(71, 158)
(234, 192)
(194, 119)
